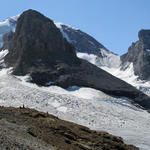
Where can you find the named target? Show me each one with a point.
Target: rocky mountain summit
(38, 48)
(86, 44)
(81, 41)
(37, 43)
(139, 55)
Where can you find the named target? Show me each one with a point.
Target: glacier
(85, 106)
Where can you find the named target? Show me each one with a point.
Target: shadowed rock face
(139, 55)
(83, 42)
(36, 44)
(39, 49)
(7, 40)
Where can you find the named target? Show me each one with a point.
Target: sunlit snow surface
(111, 64)
(84, 106)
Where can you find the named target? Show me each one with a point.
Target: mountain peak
(139, 55)
(37, 42)
(30, 13)
(144, 35)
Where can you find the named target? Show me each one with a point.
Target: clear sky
(114, 23)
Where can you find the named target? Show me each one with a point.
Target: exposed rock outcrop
(139, 55)
(81, 41)
(36, 44)
(89, 48)
(38, 48)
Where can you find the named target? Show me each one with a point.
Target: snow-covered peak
(7, 26)
(15, 17)
(9, 21)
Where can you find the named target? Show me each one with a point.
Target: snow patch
(89, 57)
(55, 104)
(3, 53)
(128, 76)
(148, 50)
(108, 59)
(59, 25)
(62, 109)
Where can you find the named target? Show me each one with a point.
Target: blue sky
(114, 23)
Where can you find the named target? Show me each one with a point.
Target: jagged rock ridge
(139, 55)
(38, 48)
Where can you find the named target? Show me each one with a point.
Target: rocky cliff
(88, 47)
(139, 55)
(81, 41)
(37, 43)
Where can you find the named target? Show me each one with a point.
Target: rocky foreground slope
(38, 48)
(23, 128)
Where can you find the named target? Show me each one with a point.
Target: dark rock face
(83, 42)
(37, 43)
(7, 40)
(39, 49)
(139, 55)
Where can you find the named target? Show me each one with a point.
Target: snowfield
(111, 64)
(81, 105)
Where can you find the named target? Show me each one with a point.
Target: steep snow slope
(115, 69)
(108, 60)
(82, 105)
